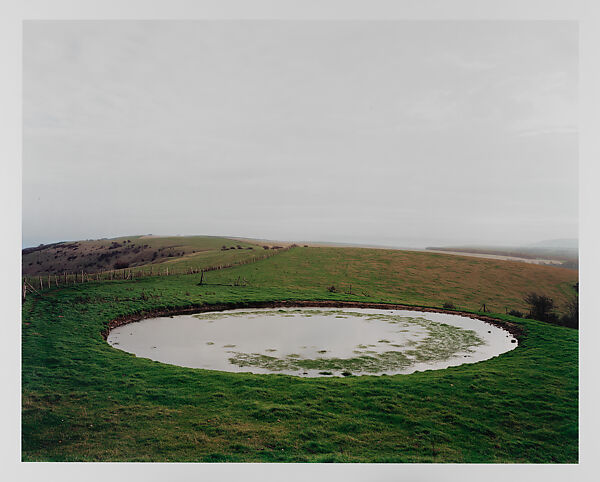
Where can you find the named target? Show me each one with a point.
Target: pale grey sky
(399, 133)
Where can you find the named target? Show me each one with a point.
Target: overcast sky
(394, 133)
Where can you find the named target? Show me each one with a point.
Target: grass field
(84, 400)
(417, 278)
(136, 251)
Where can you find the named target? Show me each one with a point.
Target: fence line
(47, 281)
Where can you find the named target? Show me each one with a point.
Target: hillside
(412, 277)
(84, 400)
(557, 255)
(92, 256)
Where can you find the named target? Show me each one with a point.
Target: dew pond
(314, 341)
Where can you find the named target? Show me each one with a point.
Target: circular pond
(314, 341)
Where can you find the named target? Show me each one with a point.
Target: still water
(314, 341)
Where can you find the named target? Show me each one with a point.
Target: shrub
(516, 313)
(332, 289)
(540, 307)
(571, 317)
(449, 306)
(121, 265)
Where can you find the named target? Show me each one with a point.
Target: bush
(540, 307)
(332, 289)
(516, 313)
(121, 265)
(448, 306)
(571, 317)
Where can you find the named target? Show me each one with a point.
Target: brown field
(412, 277)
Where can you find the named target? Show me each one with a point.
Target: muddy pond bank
(512, 328)
(312, 340)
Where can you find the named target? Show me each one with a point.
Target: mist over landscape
(300, 242)
(404, 134)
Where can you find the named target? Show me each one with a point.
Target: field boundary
(47, 282)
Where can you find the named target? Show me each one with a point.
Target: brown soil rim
(514, 329)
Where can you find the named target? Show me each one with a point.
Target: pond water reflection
(314, 341)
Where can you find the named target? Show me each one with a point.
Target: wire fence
(40, 283)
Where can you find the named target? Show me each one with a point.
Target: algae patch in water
(362, 364)
(441, 342)
(309, 342)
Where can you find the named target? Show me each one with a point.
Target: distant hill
(561, 252)
(93, 256)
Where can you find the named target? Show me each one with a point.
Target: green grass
(416, 278)
(158, 253)
(86, 401)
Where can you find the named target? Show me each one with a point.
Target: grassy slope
(558, 254)
(416, 278)
(92, 256)
(84, 400)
